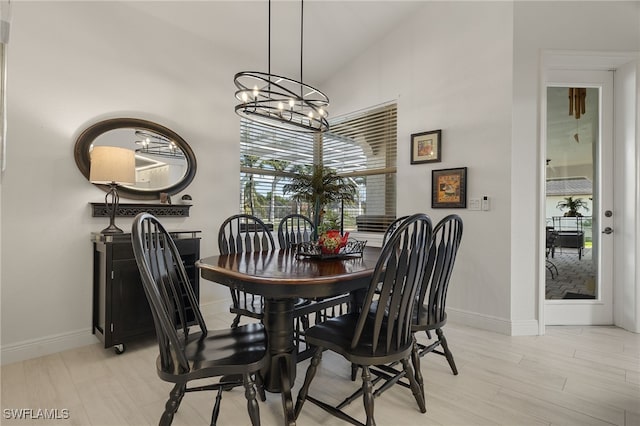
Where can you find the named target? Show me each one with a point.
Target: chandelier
(278, 101)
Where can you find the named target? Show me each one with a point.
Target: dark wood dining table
(282, 277)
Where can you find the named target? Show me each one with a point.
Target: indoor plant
(320, 186)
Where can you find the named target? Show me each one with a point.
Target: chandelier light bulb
(245, 97)
(255, 91)
(291, 103)
(280, 106)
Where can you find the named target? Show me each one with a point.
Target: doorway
(578, 198)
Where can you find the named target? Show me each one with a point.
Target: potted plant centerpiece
(573, 205)
(320, 186)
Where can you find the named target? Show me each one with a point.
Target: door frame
(630, 288)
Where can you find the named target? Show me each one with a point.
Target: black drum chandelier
(279, 101)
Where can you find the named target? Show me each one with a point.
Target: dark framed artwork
(426, 147)
(449, 188)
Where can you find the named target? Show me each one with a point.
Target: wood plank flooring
(570, 376)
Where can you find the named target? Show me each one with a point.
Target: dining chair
(430, 310)
(245, 233)
(293, 229)
(188, 351)
(381, 333)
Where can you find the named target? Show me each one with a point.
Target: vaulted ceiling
(334, 31)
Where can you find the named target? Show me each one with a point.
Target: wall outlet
(474, 204)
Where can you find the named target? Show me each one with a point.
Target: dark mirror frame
(86, 138)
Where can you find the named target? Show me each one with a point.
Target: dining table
(282, 277)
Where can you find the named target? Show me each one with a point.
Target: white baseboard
(47, 345)
(34, 348)
(491, 323)
(525, 328)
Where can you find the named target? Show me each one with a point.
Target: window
(360, 146)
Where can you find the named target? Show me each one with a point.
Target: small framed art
(426, 147)
(449, 188)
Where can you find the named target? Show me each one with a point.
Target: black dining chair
(188, 350)
(293, 229)
(377, 333)
(430, 310)
(245, 233)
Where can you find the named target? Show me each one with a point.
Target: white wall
(450, 70)
(72, 64)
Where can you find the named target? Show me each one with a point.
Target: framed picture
(426, 147)
(449, 188)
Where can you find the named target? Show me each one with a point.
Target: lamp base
(112, 207)
(111, 229)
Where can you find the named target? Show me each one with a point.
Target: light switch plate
(474, 204)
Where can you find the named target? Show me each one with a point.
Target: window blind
(360, 146)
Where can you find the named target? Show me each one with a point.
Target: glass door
(579, 198)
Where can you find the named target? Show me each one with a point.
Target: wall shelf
(132, 209)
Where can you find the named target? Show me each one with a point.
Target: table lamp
(112, 166)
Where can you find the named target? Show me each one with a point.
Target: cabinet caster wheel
(119, 349)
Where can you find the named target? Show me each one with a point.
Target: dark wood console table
(121, 312)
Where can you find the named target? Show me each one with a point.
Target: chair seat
(337, 333)
(222, 352)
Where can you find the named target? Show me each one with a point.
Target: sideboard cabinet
(121, 313)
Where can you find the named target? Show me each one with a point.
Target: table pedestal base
(280, 373)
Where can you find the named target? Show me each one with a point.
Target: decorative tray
(353, 248)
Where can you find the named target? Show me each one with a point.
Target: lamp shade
(112, 164)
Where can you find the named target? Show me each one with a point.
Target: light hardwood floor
(570, 376)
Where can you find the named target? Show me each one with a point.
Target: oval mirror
(164, 161)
